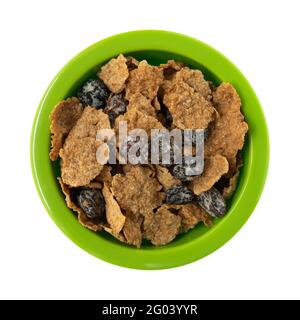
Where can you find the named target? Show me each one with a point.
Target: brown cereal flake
(165, 178)
(79, 164)
(233, 178)
(148, 218)
(114, 216)
(189, 109)
(163, 228)
(214, 168)
(63, 118)
(94, 185)
(228, 132)
(191, 214)
(139, 120)
(195, 79)
(232, 162)
(67, 192)
(137, 191)
(188, 220)
(226, 99)
(105, 175)
(139, 102)
(170, 95)
(145, 79)
(132, 229)
(115, 73)
(233, 182)
(127, 168)
(118, 236)
(82, 218)
(150, 167)
(89, 123)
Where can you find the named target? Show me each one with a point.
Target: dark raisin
(179, 172)
(179, 194)
(212, 202)
(93, 93)
(187, 170)
(92, 203)
(115, 106)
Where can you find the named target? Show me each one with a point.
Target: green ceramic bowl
(156, 47)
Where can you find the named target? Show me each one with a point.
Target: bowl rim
(163, 257)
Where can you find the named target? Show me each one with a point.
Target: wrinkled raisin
(92, 203)
(116, 105)
(93, 93)
(179, 172)
(212, 202)
(179, 194)
(187, 170)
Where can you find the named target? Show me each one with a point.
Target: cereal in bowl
(148, 152)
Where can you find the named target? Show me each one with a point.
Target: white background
(38, 37)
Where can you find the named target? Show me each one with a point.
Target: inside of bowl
(155, 58)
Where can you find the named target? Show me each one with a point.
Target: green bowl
(157, 47)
